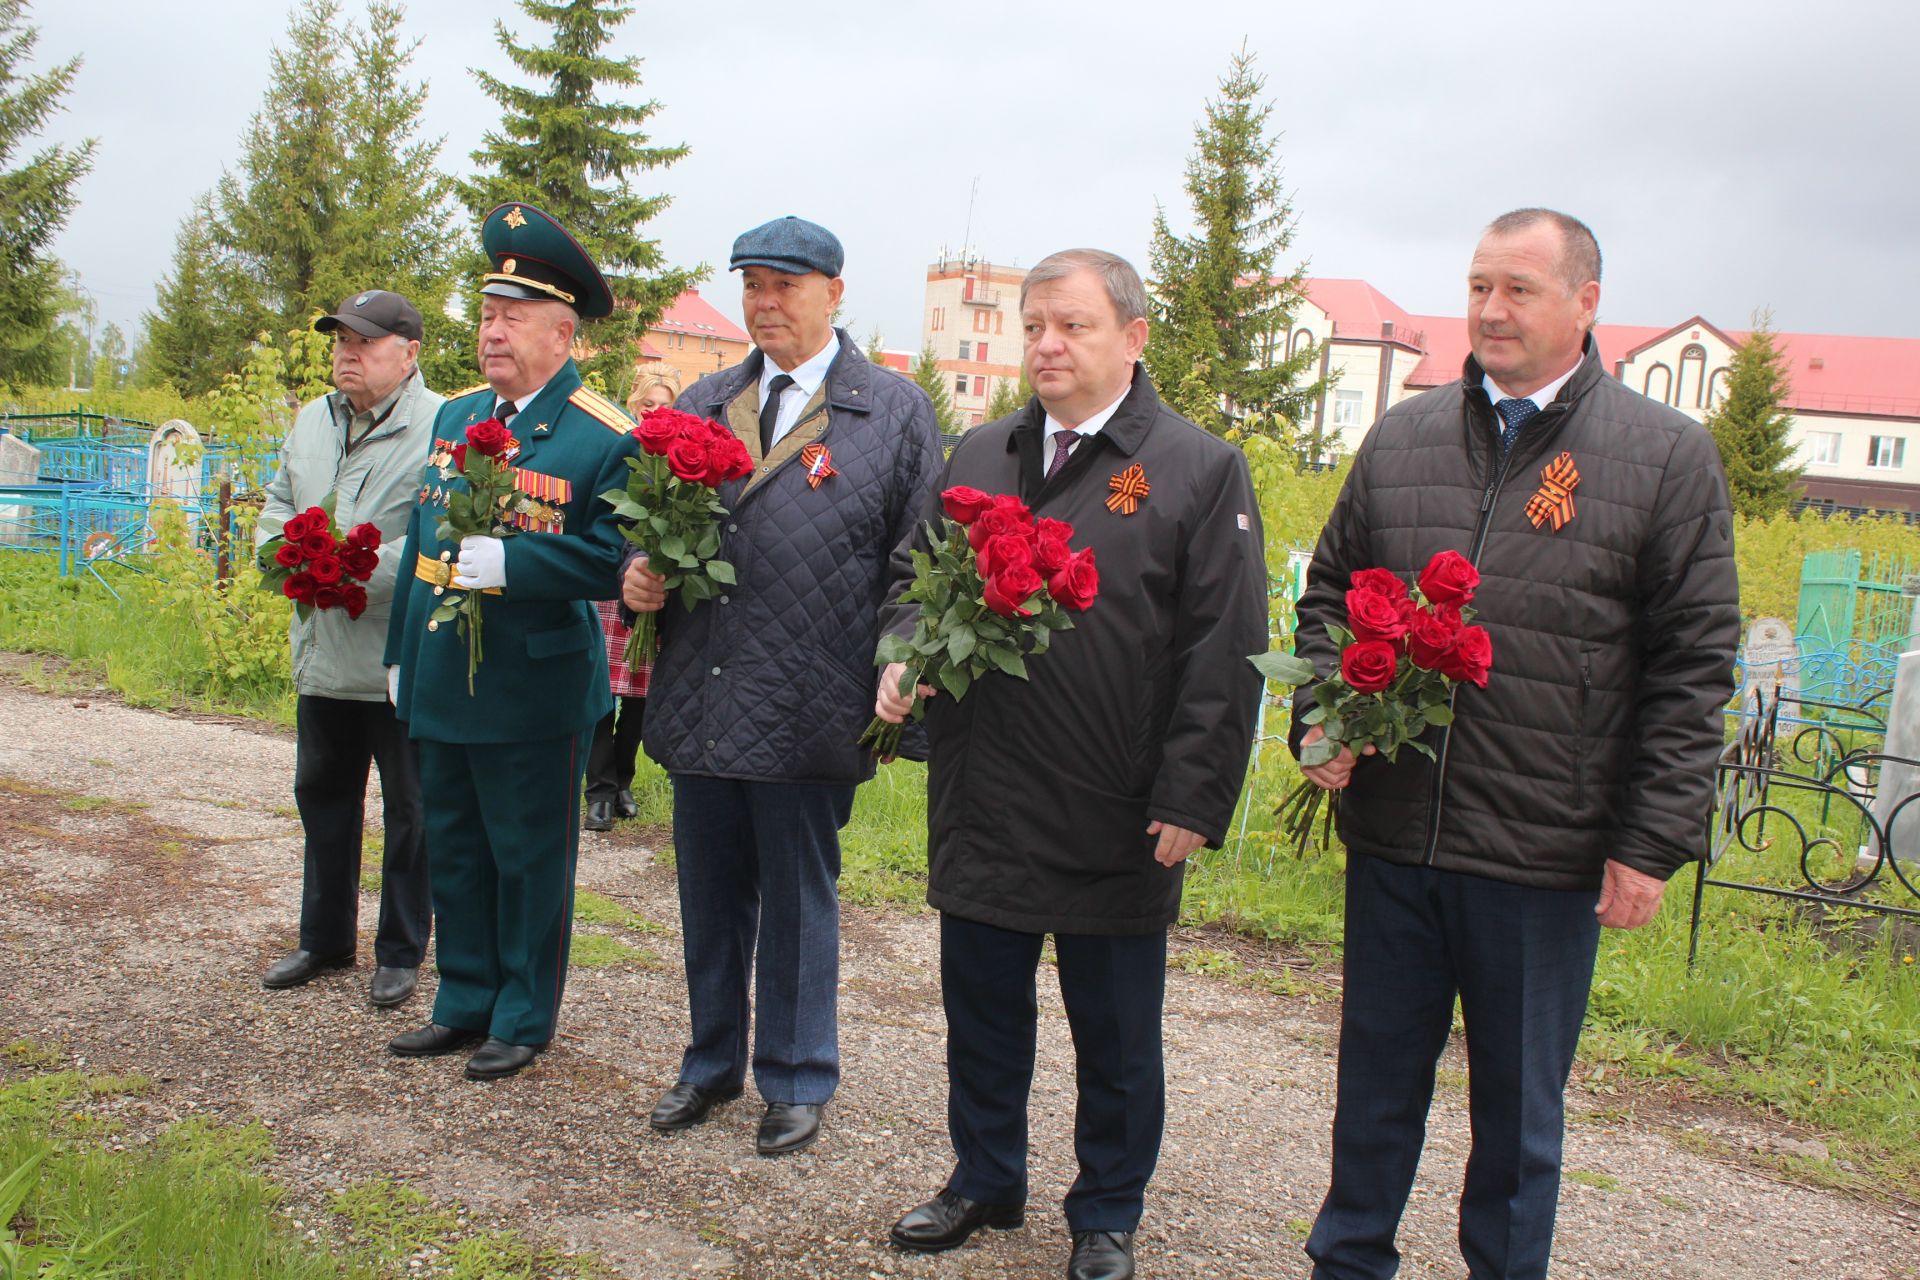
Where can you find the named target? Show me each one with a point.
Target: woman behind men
(616, 739)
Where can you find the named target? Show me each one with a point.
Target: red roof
(649, 352)
(691, 313)
(899, 361)
(1855, 375)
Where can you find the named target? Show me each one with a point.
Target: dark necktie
(1063, 442)
(1514, 414)
(504, 410)
(770, 411)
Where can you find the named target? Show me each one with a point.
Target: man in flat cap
(361, 445)
(759, 696)
(501, 764)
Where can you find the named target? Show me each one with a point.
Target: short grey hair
(1128, 295)
(1579, 251)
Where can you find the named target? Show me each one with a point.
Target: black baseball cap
(376, 313)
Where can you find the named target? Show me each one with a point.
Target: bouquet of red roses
(673, 510)
(1401, 654)
(485, 461)
(992, 592)
(313, 564)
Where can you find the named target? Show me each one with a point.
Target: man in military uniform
(500, 766)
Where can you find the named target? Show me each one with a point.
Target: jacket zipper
(1437, 801)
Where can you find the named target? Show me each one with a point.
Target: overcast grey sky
(1728, 155)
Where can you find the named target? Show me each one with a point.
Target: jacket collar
(1126, 430)
(535, 421)
(1584, 377)
(849, 384)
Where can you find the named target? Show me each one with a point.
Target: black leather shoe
(946, 1221)
(496, 1059)
(391, 985)
(433, 1041)
(787, 1127)
(301, 968)
(686, 1105)
(599, 815)
(1101, 1255)
(625, 806)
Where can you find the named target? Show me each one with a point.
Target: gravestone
(19, 465)
(173, 461)
(1899, 781)
(1772, 662)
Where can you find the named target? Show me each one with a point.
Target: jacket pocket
(575, 637)
(1583, 745)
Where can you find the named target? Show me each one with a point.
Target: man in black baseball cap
(376, 313)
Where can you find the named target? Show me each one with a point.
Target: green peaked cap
(533, 256)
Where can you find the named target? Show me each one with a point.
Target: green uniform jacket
(543, 673)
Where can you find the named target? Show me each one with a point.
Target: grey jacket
(334, 656)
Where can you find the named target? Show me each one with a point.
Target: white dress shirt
(1091, 427)
(806, 380)
(1541, 398)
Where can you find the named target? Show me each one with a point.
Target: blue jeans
(759, 864)
(1521, 961)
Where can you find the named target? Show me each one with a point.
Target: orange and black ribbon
(818, 463)
(1129, 487)
(1554, 499)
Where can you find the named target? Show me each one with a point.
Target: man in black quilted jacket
(1566, 791)
(759, 696)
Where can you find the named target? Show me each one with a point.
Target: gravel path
(132, 934)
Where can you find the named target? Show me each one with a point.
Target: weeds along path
(150, 868)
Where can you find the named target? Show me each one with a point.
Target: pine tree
(1752, 431)
(35, 201)
(1219, 308)
(564, 148)
(933, 381)
(1010, 395)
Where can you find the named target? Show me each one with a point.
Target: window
(980, 321)
(980, 353)
(1823, 448)
(1888, 452)
(999, 322)
(939, 318)
(980, 386)
(1346, 408)
(960, 385)
(966, 351)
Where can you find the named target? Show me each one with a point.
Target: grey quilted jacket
(1613, 637)
(775, 680)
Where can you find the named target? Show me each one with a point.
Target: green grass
(596, 908)
(1598, 1181)
(597, 951)
(883, 849)
(393, 1227)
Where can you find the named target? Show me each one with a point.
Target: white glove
(393, 685)
(482, 563)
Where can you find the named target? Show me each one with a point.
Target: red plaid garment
(626, 684)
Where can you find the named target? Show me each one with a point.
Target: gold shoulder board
(467, 391)
(609, 413)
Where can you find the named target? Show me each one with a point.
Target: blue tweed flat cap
(792, 245)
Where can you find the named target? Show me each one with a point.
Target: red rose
(1387, 584)
(299, 588)
(1048, 527)
(360, 562)
(1430, 635)
(1372, 616)
(657, 430)
(355, 599)
(318, 544)
(963, 503)
(727, 459)
(288, 556)
(687, 459)
(459, 458)
(1470, 658)
(365, 535)
(331, 596)
(1006, 515)
(490, 437)
(1010, 589)
(1368, 665)
(298, 527)
(1075, 586)
(1050, 554)
(1002, 552)
(327, 570)
(1448, 579)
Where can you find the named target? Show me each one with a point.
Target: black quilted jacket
(778, 681)
(1613, 638)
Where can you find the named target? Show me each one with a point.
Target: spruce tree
(36, 196)
(204, 313)
(574, 150)
(1218, 302)
(1752, 431)
(933, 380)
(1010, 395)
